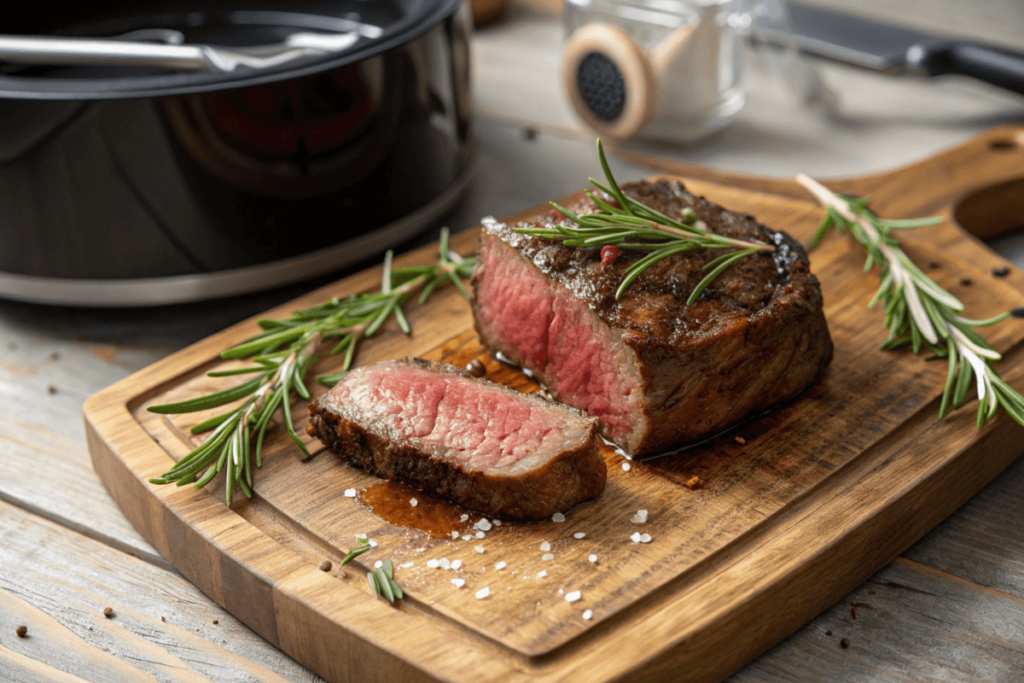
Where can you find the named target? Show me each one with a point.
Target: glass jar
(664, 70)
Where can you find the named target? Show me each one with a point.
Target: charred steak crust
(755, 338)
(571, 476)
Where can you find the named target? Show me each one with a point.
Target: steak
(482, 445)
(653, 370)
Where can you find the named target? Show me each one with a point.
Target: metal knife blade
(848, 39)
(891, 49)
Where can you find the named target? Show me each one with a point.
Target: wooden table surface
(950, 609)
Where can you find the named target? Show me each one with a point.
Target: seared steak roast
(482, 445)
(655, 371)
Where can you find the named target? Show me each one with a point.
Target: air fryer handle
(989, 64)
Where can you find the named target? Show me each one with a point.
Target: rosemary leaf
(950, 377)
(207, 425)
(331, 379)
(823, 227)
(290, 426)
(710, 277)
(384, 583)
(403, 324)
(210, 401)
(239, 371)
(372, 580)
(355, 553)
(903, 224)
(251, 348)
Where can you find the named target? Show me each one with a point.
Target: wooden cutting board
(807, 504)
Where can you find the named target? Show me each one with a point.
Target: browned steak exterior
(482, 445)
(655, 371)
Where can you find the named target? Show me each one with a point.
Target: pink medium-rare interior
(480, 427)
(545, 328)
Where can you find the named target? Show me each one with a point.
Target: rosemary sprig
(633, 225)
(282, 352)
(382, 581)
(918, 312)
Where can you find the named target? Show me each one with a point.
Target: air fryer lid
(380, 24)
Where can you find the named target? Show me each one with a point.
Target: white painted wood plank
(57, 583)
(23, 669)
(984, 541)
(922, 626)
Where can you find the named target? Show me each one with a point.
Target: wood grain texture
(51, 360)
(984, 541)
(826, 491)
(45, 463)
(904, 610)
(57, 583)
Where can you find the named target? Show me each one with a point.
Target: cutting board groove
(824, 492)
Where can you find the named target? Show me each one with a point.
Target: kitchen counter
(950, 608)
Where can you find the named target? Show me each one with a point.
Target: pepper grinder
(664, 70)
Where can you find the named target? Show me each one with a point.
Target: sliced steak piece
(655, 371)
(480, 444)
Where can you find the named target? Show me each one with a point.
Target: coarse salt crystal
(625, 467)
(378, 564)
(458, 583)
(645, 538)
(483, 593)
(467, 537)
(456, 564)
(373, 543)
(592, 559)
(433, 564)
(578, 534)
(455, 534)
(406, 565)
(545, 546)
(558, 517)
(363, 536)
(588, 614)
(635, 537)
(541, 574)
(414, 502)
(500, 566)
(480, 534)
(560, 591)
(547, 556)
(479, 549)
(445, 563)
(483, 525)
(464, 518)
(350, 493)
(496, 522)
(573, 597)
(640, 517)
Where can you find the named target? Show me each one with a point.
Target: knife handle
(989, 64)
